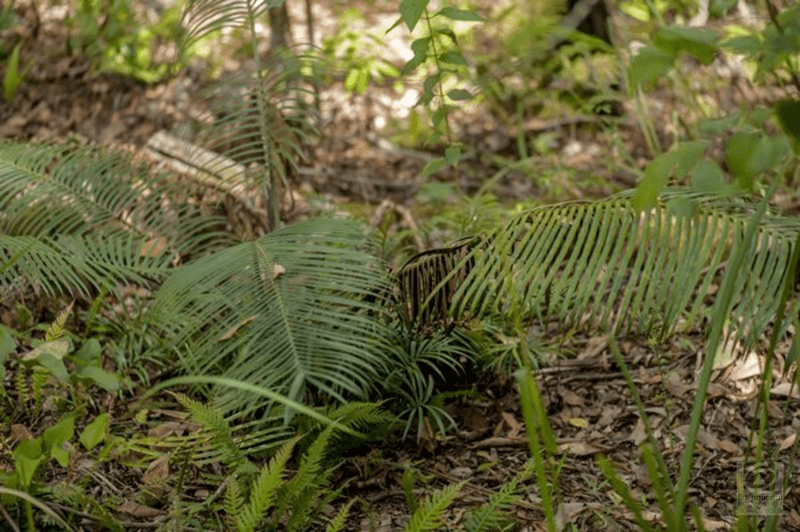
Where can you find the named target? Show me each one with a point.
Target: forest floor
(357, 169)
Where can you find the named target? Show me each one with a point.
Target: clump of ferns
(270, 497)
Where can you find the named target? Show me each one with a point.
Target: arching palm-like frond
(604, 264)
(289, 312)
(258, 119)
(73, 219)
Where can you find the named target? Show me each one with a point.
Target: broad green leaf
(95, 432)
(459, 14)
(59, 433)
(688, 154)
(683, 156)
(7, 346)
(637, 10)
(788, 113)
(447, 32)
(420, 49)
(757, 117)
(749, 154)
(433, 166)
(99, 376)
(739, 154)
(454, 57)
(56, 438)
(89, 354)
(771, 152)
(436, 192)
(51, 356)
(453, 155)
(27, 457)
(459, 95)
(411, 11)
(351, 80)
(363, 81)
(12, 77)
(748, 45)
(440, 114)
(708, 178)
(715, 126)
(648, 65)
(697, 42)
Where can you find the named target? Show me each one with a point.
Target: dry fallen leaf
(169, 428)
(277, 270)
(137, 510)
(787, 442)
(157, 472)
(514, 426)
(729, 447)
(638, 435)
(571, 398)
(784, 389)
(154, 247)
(579, 448)
(233, 330)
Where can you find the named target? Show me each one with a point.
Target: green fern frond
(429, 514)
(39, 378)
(307, 485)
(490, 515)
(218, 429)
(338, 522)
(606, 265)
(234, 501)
(361, 415)
(263, 492)
(56, 329)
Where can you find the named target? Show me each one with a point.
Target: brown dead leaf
(233, 330)
(169, 428)
(514, 426)
(787, 442)
(705, 438)
(676, 386)
(157, 472)
(571, 398)
(140, 511)
(579, 448)
(277, 270)
(638, 435)
(747, 368)
(594, 347)
(711, 524)
(729, 447)
(19, 433)
(497, 441)
(785, 389)
(154, 247)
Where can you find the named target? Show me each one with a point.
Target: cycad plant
(609, 265)
(75, 219)
(258, 120)
(297, 312)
